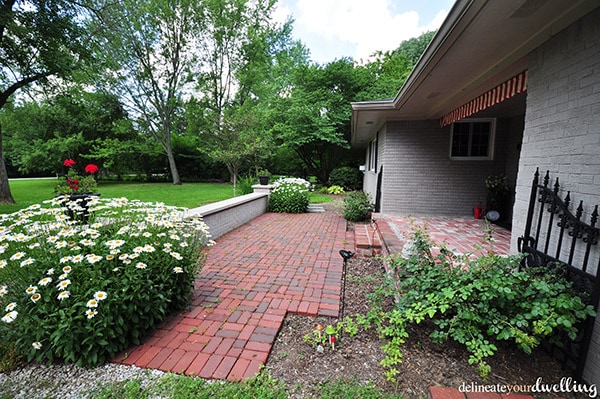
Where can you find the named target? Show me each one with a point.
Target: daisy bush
(82, 292)
(289, 195)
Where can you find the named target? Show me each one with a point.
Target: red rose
(91, 168)
(69, 162)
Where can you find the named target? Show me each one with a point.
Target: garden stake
(345, 255)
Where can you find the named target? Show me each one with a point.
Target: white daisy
(17, 256)
(91, 313)
(92, 258)
(45, 281)
(100, 295)
(10, 316)
(27, 262)
(92, 303)
(63, 295)
(36, 297)
(63, 284)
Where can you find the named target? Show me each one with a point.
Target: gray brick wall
(419, 178)
(562, 129)
(224, 216)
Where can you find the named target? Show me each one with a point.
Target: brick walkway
(277, 263)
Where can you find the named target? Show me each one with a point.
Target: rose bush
(84, 292)
(75, 183)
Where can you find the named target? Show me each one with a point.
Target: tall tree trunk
(173, 166)
(5, 194)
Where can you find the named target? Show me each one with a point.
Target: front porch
(387, 234)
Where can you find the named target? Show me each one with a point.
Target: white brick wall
(562, 129)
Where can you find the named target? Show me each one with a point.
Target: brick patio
(254, 276)
(280, 263)
(462, 235)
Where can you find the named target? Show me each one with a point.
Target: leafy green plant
(83, 292)
(346, 177)
(336, 190)
(477, 303)
(74, 183)
(322, 336)
(352, 389)
(357, 206)
(244, 184)
(289, 195)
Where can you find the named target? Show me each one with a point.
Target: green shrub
(336, 190)
(346, 177)
(244, 185)
(289, 195)
(357, 206)
(477, 302)
(84, 292)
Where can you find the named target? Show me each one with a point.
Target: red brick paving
(437, 392)
(462, 235)
(280, 263)
(253, 276)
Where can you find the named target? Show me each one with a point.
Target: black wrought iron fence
(557, 237)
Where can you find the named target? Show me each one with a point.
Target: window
(373, 156)
(473, 139)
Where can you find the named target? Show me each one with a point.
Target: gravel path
(67, 381)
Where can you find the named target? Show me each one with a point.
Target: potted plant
(263, 177)
(497, 188)
(77, 189)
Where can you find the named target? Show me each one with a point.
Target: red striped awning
(515, 85)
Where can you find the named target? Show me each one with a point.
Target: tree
(150, 48)
(313, 118)
(75, 124)
(38, 39)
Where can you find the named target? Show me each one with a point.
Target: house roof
(481, 44)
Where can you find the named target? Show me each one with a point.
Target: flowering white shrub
(290, 195)
(84, 292)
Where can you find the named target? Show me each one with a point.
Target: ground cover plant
(183, 387)
(82, 292)
(290, 195)
(475, 303)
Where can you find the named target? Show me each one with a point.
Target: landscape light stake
(345, 255)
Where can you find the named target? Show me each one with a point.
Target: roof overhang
(480, 45)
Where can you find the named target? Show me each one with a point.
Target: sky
(333, 29)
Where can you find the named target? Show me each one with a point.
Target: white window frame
(492, 140)
(372, 165)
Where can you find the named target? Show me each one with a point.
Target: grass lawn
(27, 192)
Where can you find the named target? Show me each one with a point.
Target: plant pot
(78, 208)
(264, 180)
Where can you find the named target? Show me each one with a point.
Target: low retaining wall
(224, 216)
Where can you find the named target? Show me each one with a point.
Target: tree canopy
(38, 40)
(203, 85)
